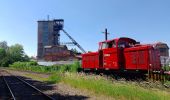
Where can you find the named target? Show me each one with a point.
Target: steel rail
(48, 97)
(13, 97)
(35, 88)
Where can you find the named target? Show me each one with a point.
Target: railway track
(4, 93)
(15, 88)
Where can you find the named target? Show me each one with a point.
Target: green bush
(33, 66)
(24, 64)
(74, 67)
(166, 68)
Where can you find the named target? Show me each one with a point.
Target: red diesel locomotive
(123, 55)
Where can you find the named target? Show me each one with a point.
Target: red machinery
(122, 54)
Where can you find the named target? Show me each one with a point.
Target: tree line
(11, 54)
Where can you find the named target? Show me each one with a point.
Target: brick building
(49, 47)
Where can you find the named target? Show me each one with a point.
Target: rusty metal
(74, 42)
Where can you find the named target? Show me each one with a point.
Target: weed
(54, 78)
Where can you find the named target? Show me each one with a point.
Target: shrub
(166, 68)
(33, 66)
(74, 67)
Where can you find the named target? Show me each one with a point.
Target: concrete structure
(49, 63)
(163, 49)
(45, 30)
(164, 52)
(49, 47)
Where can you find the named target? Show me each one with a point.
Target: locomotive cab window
(104, 45)
(112, 44)
(124, 44)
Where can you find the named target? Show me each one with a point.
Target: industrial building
(164, 52)
(49, 46)
(163, 49)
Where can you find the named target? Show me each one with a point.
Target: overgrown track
(18, 89)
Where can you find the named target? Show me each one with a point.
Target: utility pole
(106, 34)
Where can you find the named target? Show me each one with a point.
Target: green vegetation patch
(36, 77)
(11, 54)
(166, 68)
(100, 85)
(33, 66)
(94, 83)
(54, 78)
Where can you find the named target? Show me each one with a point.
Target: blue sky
(147, 21)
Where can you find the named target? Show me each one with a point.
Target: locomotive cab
(107, 44)
(111, 52)
(117, 43)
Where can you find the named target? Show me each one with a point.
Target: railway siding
(97, 85)
(22, 90)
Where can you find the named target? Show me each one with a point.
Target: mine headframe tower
(57, 27)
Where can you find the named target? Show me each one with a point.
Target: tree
(4, 45)
(26, 58)
(2, 53)
(16, 52)
(9, 55)
(6, 61)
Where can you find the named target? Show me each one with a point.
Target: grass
(102, 86)
(126, 91)
(167, 83)
(36, 77)
(54, 78)
(94, 83)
